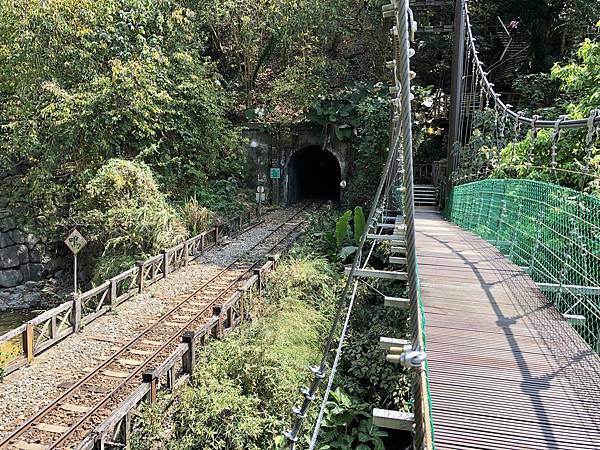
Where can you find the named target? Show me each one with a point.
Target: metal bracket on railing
(407, 357)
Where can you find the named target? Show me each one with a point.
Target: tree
(86, 81)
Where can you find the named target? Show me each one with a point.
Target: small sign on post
(275, 173)
(75, 241)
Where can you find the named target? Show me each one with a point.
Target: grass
(244, 386)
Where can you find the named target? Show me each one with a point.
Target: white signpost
(260, 197)
(75, 241)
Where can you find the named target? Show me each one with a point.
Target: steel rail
(24, 427)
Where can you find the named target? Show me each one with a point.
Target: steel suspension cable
(489, 87)
(319, 371)
(317, 426)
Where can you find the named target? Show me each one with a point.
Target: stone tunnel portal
(313, 172)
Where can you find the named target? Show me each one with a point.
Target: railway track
(67, 420)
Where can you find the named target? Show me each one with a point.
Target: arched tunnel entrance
(313, 173)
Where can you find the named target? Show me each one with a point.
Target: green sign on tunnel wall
(275, 173)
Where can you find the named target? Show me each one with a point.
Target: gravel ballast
(28, 389)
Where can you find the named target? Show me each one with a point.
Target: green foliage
(552, 28)
(348, 424)
(540, 90)
(220, 196)
(297, 89)
(83, 82)
(581, 80)
(344, 233)
(369, 145)
(363, 371)
(8, 351)
(242, 387)
(341, 111)
(150, 420)
(319, 237)
(342, 228)
(126, 216)
(254, 39)
(196, 218)
(359, 223)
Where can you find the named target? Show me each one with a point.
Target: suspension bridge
(503, 289)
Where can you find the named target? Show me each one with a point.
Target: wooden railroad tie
(180, 317)
(115, 374)
(59, 429)
(74, 408)
(21, 445)
(129, 362)
(135, 351)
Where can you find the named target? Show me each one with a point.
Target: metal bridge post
(458, 57)
(409, 214)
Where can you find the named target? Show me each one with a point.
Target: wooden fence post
(28, 342)
(141, 276)
(189, 358)
(216, 234)
(217, 312)
(241, 301)
(275, 259)
(258, 273)
(127, 430)
(113, 292)
(76, 313)
(150, 377)
(202, 236)
(53, 327)
(165, 254)
(186, 253)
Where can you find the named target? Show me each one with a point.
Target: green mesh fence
(429, 416)
(551, 231)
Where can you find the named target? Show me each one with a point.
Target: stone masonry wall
(21, 253)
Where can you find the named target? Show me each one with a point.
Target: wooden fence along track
(50, 327)
(161, 356)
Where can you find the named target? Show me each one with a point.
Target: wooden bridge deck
(506, 371)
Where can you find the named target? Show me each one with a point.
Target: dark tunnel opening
(313, 173)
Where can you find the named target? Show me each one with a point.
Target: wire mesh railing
(551, 231)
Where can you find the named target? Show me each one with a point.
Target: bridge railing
(18, 347)
(551, 231)
(423, 173)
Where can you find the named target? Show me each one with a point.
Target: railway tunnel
(313, 172)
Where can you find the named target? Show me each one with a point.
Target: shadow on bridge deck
(506, 371)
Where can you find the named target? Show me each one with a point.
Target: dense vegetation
(123, 118)
(575, 93)
(162, 87)
(245, 385)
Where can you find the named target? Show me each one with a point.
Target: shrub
(244, 386)
(127, 217)
(196, 218)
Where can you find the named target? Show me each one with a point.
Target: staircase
(425, 195)
(516, 52)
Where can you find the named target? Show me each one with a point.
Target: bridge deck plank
(506, 370)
